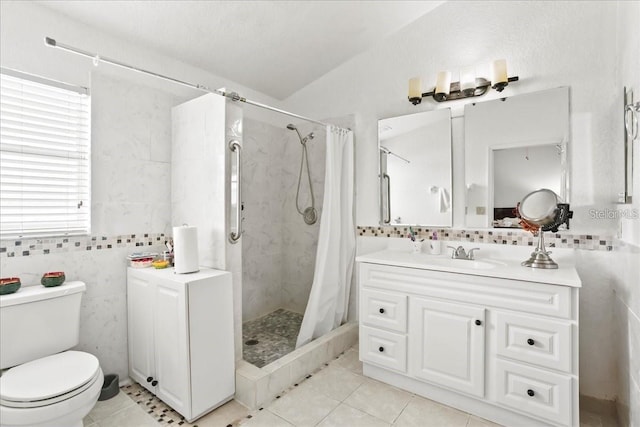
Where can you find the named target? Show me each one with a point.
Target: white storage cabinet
(180, 330)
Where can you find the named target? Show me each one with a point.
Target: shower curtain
(329, 298)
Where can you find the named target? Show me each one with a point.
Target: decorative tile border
(496, 236)
(28, 247)
(51, 245)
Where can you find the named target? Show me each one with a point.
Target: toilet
(42, 382)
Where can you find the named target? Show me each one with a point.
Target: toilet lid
(48, 378)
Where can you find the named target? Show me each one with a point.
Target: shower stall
(282, 191)
(258, 209)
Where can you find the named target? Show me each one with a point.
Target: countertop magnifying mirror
(514, 146)
(542, 211)
(415, 169)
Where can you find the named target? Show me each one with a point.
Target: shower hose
(309, 214)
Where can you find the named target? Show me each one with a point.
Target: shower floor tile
(275, 333)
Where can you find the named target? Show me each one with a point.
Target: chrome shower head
(308, 137)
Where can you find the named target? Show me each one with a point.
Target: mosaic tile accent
(51, 245)
(276, 334)
(497, 236)
(164, 415)
(160, 411)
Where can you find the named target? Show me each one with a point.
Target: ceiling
(275, 47)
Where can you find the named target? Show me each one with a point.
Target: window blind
(44, 157)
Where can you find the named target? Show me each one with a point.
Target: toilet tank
(38, 321)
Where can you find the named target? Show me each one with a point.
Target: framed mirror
(514, 146)
(415, 169)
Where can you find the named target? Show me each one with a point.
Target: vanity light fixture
(468, 86)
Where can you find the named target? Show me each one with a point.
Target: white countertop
(504, 268)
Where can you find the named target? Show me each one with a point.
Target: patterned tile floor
(275, 333)
(336, 395)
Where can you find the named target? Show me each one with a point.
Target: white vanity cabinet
(501, 348)
(180, 337)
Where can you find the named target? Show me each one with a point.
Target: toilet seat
(49, 380)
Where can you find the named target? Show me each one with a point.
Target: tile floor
(276, 335)
(336, 395)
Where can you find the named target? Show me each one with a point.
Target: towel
(444, 200)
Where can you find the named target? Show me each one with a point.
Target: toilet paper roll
(185, 249)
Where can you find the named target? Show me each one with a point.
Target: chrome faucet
(460, 253)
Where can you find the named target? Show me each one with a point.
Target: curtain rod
(234, 96)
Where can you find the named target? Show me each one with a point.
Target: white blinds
(44, 158)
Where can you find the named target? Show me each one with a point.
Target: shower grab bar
(387, 220)
(631, 112)
(235, 147)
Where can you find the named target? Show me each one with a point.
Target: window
(45, 157)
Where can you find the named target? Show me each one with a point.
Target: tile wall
(278, 247)
(262, 246)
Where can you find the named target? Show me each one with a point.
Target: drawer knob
(154, 383)
(381, 311)
(478, 322)
(530, 341)
(380, 349)
(149, 379)
(530, 393)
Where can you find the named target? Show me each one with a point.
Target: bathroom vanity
(488, 337)
(180, 330)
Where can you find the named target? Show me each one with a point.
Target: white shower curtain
(329, 298)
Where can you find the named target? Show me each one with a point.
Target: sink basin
(463, 263)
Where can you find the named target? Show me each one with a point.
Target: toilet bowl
(54, 391)
(43, 383)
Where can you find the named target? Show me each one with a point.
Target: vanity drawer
(384, 309)
(528, 297)
(534, 391)
(539, 341)
(383, 348)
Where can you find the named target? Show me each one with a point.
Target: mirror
(514, 146)
(415, 169)
(539, 207)
(515, 171)
(540, 212)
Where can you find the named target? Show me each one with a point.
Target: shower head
(308, 137)
(302, 140)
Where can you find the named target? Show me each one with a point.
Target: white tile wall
(279, 249)
(131, 171)
(263, 194)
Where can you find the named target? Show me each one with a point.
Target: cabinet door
(140, 302)
(446, 344)
(172, 356)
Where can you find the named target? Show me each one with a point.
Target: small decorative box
(53, 278)
(9, 285)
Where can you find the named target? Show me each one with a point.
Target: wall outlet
(481, 210)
